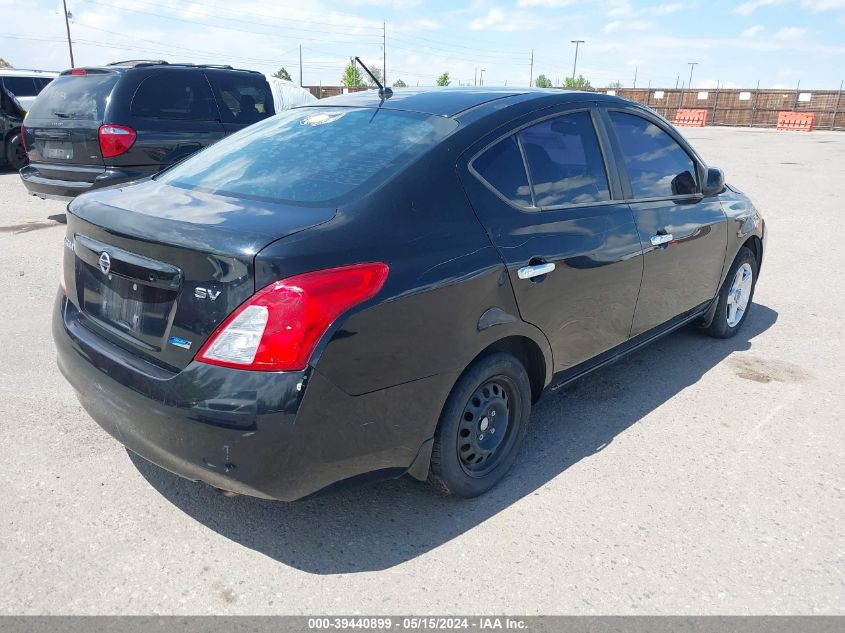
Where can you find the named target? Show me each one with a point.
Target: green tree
(352, 76)
(443, 80)
(399, 84)
(615, 85)
(282, 73)
(379, 75)
(543, 82)
(577, 84)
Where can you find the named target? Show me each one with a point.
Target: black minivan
(95, 127)
(369, 287)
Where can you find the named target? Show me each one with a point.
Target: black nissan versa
(96, 127)
(368, 287)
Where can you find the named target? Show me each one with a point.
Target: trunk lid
(156, 268)
(64, 121)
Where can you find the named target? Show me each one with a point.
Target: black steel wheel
(482, 426)
(485, 429)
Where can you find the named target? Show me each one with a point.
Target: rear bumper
(283, 435)
(65, 182)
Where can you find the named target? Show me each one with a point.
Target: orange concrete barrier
(796, 121)
(691, 118)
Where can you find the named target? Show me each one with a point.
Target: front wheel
(482, 427)
(735, 296)
(15, 153)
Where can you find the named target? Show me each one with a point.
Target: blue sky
(779, 42)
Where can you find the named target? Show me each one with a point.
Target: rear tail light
(23, 138)
(278, 328)
(115, 139)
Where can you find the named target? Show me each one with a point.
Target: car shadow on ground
(382, 525)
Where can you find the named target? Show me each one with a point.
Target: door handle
(657, 240)
(527, 272)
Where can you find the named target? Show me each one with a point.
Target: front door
(571, 249)
(684, 234)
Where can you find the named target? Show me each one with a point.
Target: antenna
(384, 93)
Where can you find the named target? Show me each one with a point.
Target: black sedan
(366, 287)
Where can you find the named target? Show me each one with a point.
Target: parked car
(96, 127)
(18, 89)
(368, 288)
(287, 94)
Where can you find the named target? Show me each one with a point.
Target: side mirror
(714, 182)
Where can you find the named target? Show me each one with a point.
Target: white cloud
(747, 8)
(791, 33)
(823, 5)
(498, 20)
(754, 30)
(626, 25)
(545, 4)
(666, 9)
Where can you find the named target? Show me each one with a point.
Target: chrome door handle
(657, 240)
(527, 272)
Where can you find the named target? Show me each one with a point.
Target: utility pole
(677, 81)
(636, 70)
(300, 65)
(575, 64)
(797, 95)
(475, 80)
(67, 27)
(481, 77)
(531, 76)
(384, 53)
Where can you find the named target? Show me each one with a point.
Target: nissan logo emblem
(105, 263)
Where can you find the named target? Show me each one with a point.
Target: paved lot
(696, 477)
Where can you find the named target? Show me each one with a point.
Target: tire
(468, 458)
(732, 309)
(15, 153)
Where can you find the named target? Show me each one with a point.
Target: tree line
(354, 77)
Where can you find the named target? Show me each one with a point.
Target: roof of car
(443, 101)
(131, 64)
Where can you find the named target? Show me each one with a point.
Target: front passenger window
(657, 166)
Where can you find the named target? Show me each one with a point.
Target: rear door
(242, 97)
(571, 246)
(174, 114)
(63, 124)
(684, 234)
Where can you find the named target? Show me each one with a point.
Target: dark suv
(94, 127)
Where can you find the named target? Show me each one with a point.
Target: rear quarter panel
(444, 275)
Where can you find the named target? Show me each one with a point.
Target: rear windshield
(311, 155)
(75, 97)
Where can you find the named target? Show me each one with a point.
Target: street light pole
(575, 64)
(67, 26)
(481, 77)
(692, 66)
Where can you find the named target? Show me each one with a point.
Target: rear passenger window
(503, 169)
(174, 95)
(243, 98)
(565, 162)
(657, 166)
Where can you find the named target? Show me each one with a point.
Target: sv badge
(206, 293)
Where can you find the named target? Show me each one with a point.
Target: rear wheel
(15, 152)
(482, 427)
(735, 296)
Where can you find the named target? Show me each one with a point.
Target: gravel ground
(694, 477)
